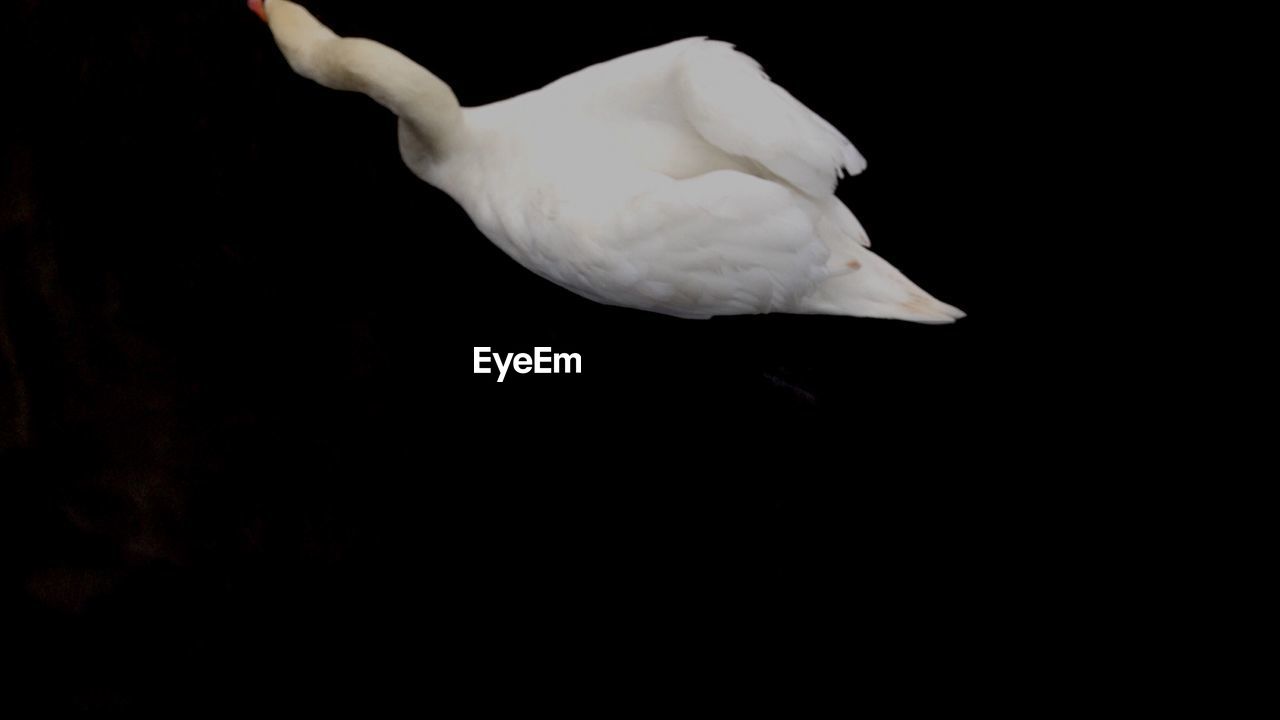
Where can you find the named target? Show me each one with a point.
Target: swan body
(677, 179)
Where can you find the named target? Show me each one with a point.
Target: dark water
(244, 458)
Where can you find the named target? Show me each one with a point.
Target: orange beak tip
(258, 9)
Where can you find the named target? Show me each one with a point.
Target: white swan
(677, 179)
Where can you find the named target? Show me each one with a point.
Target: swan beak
(258, 9)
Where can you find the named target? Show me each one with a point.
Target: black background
(241, 437)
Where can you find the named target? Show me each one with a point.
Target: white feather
(677, 179)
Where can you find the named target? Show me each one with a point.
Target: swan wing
(723, 243)
(730, 101)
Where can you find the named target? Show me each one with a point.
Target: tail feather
(868, 286)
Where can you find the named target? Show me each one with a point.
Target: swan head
(259, 8)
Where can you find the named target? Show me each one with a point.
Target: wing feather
(723, 243)
(732, 103)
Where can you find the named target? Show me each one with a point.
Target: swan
(678, 179)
